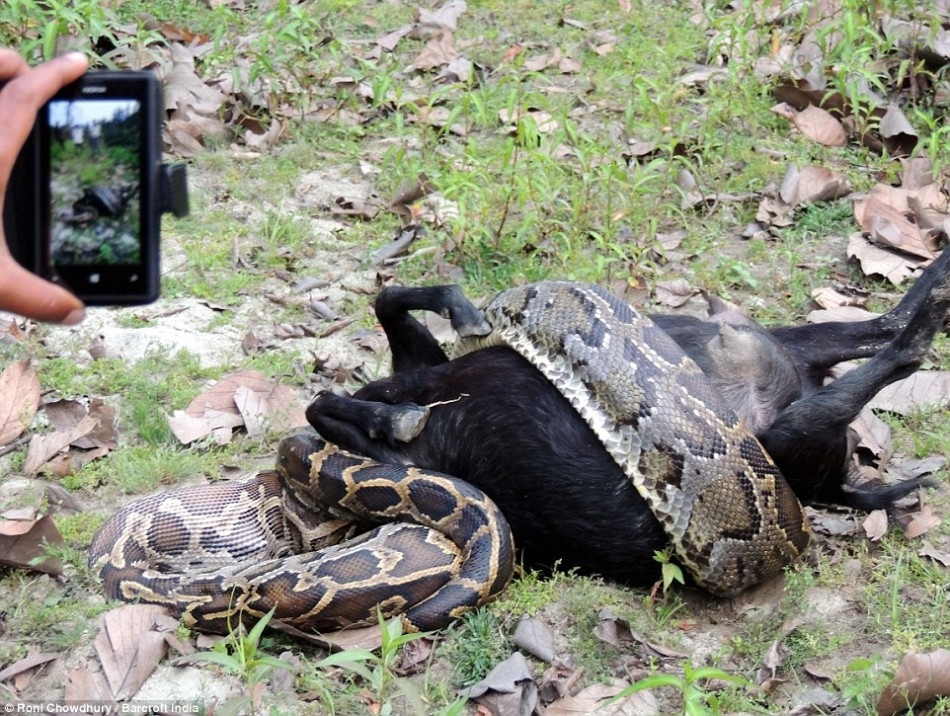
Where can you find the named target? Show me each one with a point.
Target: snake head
(294, 451)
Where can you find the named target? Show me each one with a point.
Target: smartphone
(87, 201)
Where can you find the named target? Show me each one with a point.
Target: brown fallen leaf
(919, 678)
(535, 637)
(815, 124)
(888, 227)
(216, 411)
(439, 51)
(804, 185)
(875, 525)
(27, 663)
(596, 699)
(828, 297)
(83, 684)
(899, 136)
(19, 399)
(44, 447)
(847, 314)
(921, 522)
(508, 688)
(923, 389)
(674, 293)
(22, 544)
(877, 261)
(370, 637)
(66, 414)
(767, 676)
(129, 647)
(874, 435)
(931, 552)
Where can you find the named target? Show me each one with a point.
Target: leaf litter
(900, 231)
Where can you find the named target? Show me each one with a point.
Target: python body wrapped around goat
(219, 554)
(731, 517)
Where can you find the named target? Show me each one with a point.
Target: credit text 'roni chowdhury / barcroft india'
(101, 708)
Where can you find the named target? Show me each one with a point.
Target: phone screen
(95, 186)
(99, 154)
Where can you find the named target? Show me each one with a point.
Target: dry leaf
(875, 525)
(129, 647)
(45, 447)
(22, 544)
(370, 637)
(877, 261)
(928, 550)
(508, 688)
(829, 298)
(919, 678)
(874, 434)
(900, 138)
(803, 185)
(674, 293)
(66, 414)
(921, 523)
(767, 676)
(439, 51)
(19, 399)
(216, 411)
(887, 226)
(925, 388)
(594, 700)
(815, 123)
(535, 637)
(25, 664)
(846, 314)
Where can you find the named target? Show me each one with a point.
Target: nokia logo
(93, 89)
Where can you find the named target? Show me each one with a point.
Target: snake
(289, 543)
(285, 540)
(731, 518)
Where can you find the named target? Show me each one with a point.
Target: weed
(377, 670)
(670, 571)
(142, 469)
(696, 700)
(474, 645)
(241, 655)
(861, 682)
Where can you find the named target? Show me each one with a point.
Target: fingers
(24, 94)
(11, 65)
(25, 294)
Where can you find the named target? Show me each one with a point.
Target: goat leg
(356, 424)
(820, 419)
(412, 345)
(816, 347)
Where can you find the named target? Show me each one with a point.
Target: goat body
(497, 423)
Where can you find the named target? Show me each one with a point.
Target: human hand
(23, 91)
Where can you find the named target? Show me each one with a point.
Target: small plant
(696, 700)
(241, 656)
(860, 683)
(377, 670)
(670, 571)
(475, 644)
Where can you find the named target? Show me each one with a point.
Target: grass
(530, 200)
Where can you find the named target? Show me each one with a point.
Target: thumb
(28, 295)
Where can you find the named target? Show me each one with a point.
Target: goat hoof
(470, 322)
(408, 420)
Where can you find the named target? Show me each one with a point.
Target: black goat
(497, 423)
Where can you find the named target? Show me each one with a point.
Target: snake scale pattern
(228, 552)
(732, 519)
